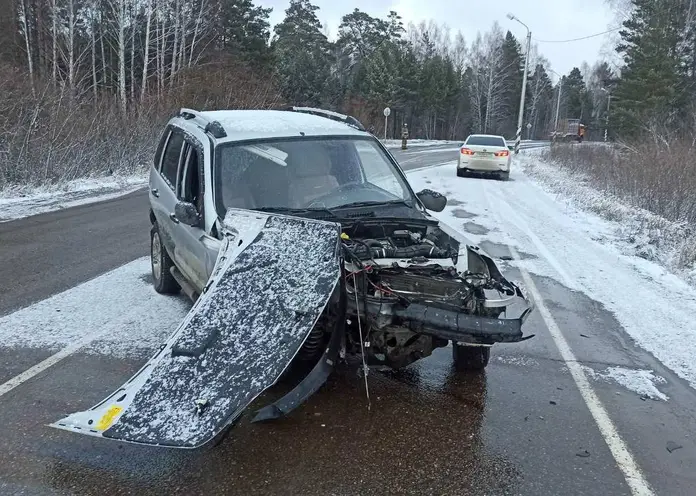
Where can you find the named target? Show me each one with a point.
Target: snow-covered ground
(642, 382)
(637, 231)
(19, 203)
(578, 249)
(116, 314)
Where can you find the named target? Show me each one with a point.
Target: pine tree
(304, 56)
(512, 67)
(651, 89)
(360, 38)
(575, 94)
(539, 102)
(241, 27)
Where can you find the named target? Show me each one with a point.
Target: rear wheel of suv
(162, 278)
(504, 176)
(460, 173)
(470, 357)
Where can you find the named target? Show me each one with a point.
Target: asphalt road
(522, 427)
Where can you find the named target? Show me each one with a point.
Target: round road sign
(387, 112)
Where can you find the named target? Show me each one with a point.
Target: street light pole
(520, 118)
(606, 125)
(558, 104)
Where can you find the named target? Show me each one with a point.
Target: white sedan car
(484, 153)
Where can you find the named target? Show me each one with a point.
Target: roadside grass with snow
(636, 231)
(578, 249)
(17, 203)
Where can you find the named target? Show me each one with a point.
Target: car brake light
(502, 153)
(466, 151)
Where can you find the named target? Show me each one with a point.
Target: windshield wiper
(297, 211)
(373, 203)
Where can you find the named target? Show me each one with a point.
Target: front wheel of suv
(161, 262)
(470, 358)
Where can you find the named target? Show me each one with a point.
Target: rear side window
(170, 159)
(485, 141)
(160, 148)
(190, 185)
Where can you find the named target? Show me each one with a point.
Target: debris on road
(672, 446)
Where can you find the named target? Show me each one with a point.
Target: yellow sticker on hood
(108, 418)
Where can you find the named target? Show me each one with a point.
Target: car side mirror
(186, 212)
(432, 200)
(511, 148)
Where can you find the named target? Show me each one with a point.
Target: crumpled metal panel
(272, 280)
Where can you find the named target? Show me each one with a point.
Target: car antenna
(366, 369)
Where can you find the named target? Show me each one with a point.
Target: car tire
(161, 264)
(504, 176)
(470, 358)
(460, 173)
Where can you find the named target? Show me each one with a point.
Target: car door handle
(155, 192)
(173, 217)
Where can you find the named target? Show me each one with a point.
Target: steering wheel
(341, 189)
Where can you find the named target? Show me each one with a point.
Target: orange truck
(569, 130)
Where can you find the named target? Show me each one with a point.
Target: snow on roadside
(120, 309)
(17, 203)
(579, 250)
(637, 231)
(642, 382)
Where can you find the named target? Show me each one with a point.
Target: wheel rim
(155, 257)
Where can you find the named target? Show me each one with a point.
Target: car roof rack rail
(210, 126)
(329, 114)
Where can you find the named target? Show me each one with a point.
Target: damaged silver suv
(300, 241)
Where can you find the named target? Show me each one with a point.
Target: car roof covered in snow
(243, 125)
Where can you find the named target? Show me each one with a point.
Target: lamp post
(558, 104)
(520, 118)
(606, 126)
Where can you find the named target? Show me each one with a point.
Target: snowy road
(596, 403)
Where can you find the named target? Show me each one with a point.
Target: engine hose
(377, 250)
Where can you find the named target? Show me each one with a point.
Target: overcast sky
(547, 19)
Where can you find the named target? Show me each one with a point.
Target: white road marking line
(48, 362)
(633, 475)
(116, 314)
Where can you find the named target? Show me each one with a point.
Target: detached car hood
(272, 280)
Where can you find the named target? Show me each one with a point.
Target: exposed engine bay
(406, 294)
